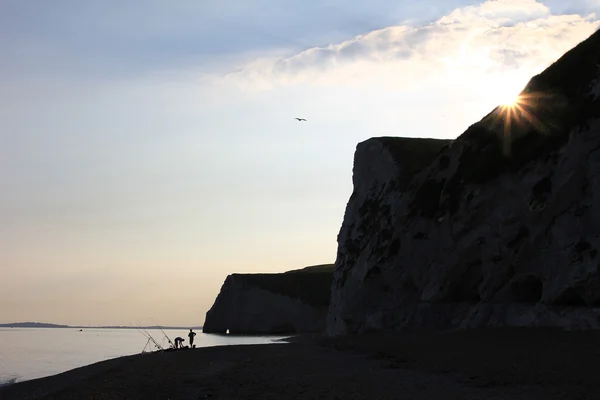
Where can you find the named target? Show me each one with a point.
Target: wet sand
(488, 364)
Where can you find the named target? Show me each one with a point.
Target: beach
(490, 364)
(31, 353)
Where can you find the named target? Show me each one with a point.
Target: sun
(510, 100)
(516, 110)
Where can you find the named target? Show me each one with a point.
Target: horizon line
(50, 324)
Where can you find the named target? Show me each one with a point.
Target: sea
(30, 353)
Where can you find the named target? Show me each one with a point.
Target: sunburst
(510, 100)
(517, 110)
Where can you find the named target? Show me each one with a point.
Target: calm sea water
(29, 353)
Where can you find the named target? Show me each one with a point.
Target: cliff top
(311, 285)
(413, 154)
(323, 268)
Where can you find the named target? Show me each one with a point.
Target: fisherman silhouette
(178, 342)
(191, 336)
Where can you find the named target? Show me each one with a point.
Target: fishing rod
(158, 346)
(143, 334)
(163, 332)
(139, 330)
(149, 336)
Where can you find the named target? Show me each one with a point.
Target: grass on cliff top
(311, 285)
(324, 268)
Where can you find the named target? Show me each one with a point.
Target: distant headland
(47, 325)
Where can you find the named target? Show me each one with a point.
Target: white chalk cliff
(498, 227)
(292, 302)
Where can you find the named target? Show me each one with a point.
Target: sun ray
(536, 123)
(507, 130)
(516, 114)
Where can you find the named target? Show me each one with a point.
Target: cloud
(498, 12)
(113, 39)
(494, 37)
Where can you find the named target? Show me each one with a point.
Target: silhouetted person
(178, 342)
(191, 336)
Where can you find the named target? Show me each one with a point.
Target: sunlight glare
(506, 88)
(509, 99)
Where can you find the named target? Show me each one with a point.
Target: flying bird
(300, 119)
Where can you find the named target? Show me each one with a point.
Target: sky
(149, 149)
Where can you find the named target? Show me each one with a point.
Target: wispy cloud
(494, 37)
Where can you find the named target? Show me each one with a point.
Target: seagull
(300, 119)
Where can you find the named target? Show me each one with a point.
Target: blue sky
(148, 149)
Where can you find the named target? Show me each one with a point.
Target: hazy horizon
(58, 324)
(148, 150)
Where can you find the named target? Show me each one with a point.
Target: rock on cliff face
(498, 227)
(292, 302)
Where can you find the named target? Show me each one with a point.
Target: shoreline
(24, 359)
(8, 381)
(493, 364)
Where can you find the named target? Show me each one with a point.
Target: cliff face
(292, 302)
(498, 227)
